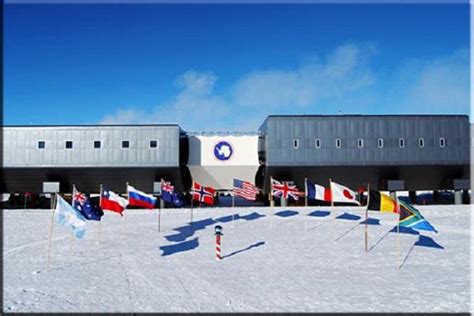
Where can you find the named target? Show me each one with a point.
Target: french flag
(318, 192)
(140, 199)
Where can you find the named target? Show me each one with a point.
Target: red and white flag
(284, 189)
(203, 194)
(342, 193)
(111, 201)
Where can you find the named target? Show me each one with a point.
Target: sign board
(396, 185)
(50, 187)
(157, 187)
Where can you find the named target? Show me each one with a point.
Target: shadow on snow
(260, 243)
(319, 213)
(286, 213)
(180, 247)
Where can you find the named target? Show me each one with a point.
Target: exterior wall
(280, 132)
(206, 167)
(21, 146)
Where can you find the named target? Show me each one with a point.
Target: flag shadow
(348, 216)
(258, 244)
(319, 213)
(423, 241)
(250, 217)
(187, 231)
(286, 213)
(180, 247)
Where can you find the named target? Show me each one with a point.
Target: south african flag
(411, 217)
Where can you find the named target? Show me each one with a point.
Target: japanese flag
(342, 193)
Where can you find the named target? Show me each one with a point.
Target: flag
(167, 192)
(245, 189)
(342, 193)
(318, 192)
(412, 218)
(82, 203)
(379, 201)
(111, 201)
(178, 200)
(284, 189)
(169, 195)
(203, 194)
(139, 198)
(68, 216)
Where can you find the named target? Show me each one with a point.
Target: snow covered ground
(274, 260)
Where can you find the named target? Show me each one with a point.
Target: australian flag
(89, 210)
(169, 195)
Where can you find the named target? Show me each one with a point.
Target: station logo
(223, 151)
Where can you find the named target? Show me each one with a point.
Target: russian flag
(140, 199)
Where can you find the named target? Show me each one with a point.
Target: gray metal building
(391, 152)
(91, 155)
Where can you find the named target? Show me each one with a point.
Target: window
(125, 144)
(421, 142)
(442, 142)
(380, 143)
(338, 143)
(153, 143)
(401, 142)
(317, 143)
(296, 143)
(41, 144)
(360, 143)
(97, 144)
(69, 144)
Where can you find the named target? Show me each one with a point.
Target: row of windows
(97, 144)
(380, 143)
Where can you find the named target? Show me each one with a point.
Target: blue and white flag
(68, 216)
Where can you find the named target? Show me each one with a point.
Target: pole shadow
(347, 231)
(187, 231)
(423, 241)
(258, 244)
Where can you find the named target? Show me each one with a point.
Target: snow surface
(278, 259)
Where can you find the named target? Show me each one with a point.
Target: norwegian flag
(203, 194)
(284, 189)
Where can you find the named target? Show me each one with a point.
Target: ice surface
(282, 259)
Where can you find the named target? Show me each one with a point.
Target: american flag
(284, 189)
(245, 189)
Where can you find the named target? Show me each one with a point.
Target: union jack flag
(166, 186)
(284, 189)
(203, 194)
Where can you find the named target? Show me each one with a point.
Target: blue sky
(226, 67)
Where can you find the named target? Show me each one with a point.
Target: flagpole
(367, 219)
(100, 205)
(72, 233)
(51, 234)
(192, 203)
(233, 200)
(124, 218)
(398, 232)
(332, 208)
(305, 191)
(159, 209)
(271, 192)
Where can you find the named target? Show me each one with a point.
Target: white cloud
(343, 79)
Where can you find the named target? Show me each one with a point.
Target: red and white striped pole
(218, 234)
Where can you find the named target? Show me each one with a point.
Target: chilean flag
(139, 198)
(111, 201)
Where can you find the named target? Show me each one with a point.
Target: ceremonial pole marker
(218, 234)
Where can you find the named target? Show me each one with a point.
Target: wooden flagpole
(367, 219)
(398, 232)
(72, 233)
(305, 191)
(159, 209)
(51, 233)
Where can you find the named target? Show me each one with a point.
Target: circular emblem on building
(223, 151)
